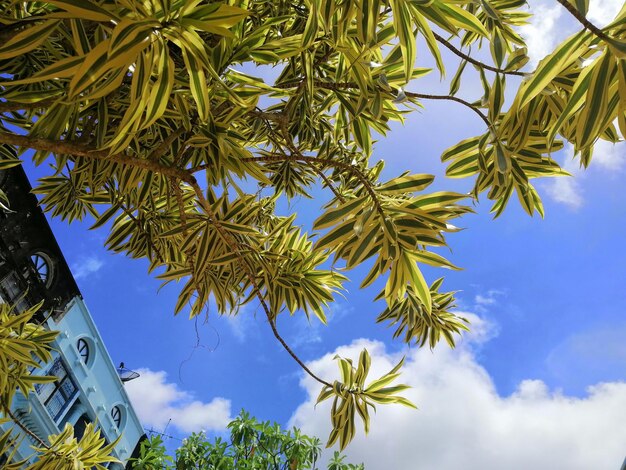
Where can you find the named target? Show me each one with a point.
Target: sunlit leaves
(351, 397)
(68, 453)
(416, 325)
(28, 39)
(23, 344)
(552, 65)
(153, 122)
(502, 169)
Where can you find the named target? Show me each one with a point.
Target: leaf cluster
(24, 347)
(251, 445)
(352, 397)
(152, 122)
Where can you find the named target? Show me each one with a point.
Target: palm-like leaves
(152, 126)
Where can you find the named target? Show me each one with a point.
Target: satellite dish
(126, 375)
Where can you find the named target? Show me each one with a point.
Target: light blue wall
(99, 386)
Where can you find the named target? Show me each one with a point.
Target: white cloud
(464, 423)
(566, 189)
(86, 266)
(156, 401)
(609, 156)
(482, 300)
(542, 34)
(487, 299)
(240, 325)
(243, 322)
(602, 12)
(551, 24)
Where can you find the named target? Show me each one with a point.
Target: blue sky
(544, 368)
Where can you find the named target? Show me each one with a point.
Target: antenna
(126, 375)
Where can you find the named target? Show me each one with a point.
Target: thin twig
(450, 98)
(329, 183)
(164, 146)
(348, 85)
(471, 60)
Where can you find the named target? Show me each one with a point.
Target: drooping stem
(330, 186)
(251, 278)
(450, 98)
(583, 20)
(348, 85)
(471, 60)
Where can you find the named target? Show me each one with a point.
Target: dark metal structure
(32, 266)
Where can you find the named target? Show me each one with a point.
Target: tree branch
(471, 60)
(583, 20)
(450, 98)
(17, 421)
(9, 106)
(348, 85)
(82, 150)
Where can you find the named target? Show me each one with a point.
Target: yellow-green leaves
(150, 122)
(213, 18)
(404, 30)
(112, 56)
(503, 168)
(461, 18)
(405, 273)
(591, 122)
(406, 184)
(552, 65)
(352, 397)
(28, 39)
(416, 325)
(65, 452)
(23, 344)
(83, 9)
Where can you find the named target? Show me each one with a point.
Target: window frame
(59, 389)
(84, 350)
(117, 417)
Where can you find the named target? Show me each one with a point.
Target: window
(57, 395)
(43, 267)
(81, 424)
(116, 414)
(83, 350)
(13, 291)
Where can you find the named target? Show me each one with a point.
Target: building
(88, 387)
